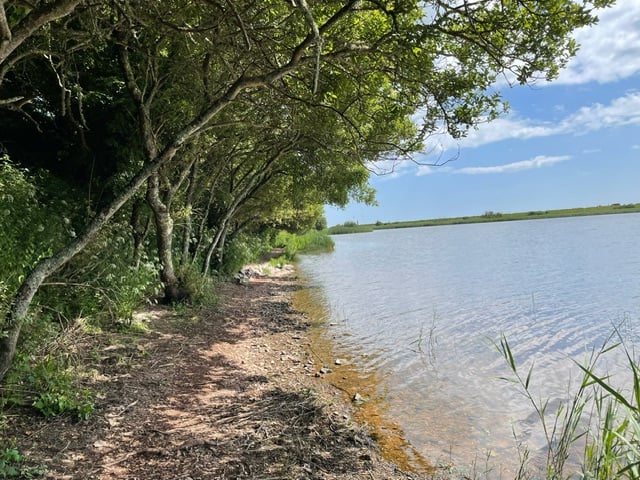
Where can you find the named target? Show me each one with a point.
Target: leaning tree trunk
(44, 268)
(37, 18)
(139, 231)
(212, 248)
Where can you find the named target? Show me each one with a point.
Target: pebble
(357, 398)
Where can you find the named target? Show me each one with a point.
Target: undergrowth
(13, 465)
(313, 241)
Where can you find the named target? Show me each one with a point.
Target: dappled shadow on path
(224, 393)
(216, 414)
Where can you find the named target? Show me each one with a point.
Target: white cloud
(424, 170)
(621, 111)
(609, 50)
(536, 162)
(510, 127)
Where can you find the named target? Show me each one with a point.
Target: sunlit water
(423, 307)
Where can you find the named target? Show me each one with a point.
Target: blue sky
(572, 143)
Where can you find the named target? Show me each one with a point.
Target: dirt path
(227, 393)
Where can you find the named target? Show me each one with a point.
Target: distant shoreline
(352, 227)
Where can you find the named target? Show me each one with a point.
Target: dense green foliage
(313, 241)
(12, 465)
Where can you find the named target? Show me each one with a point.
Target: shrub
(241, 250)
(201, 288)
(311, 242)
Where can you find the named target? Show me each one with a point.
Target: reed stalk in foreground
(604, 419)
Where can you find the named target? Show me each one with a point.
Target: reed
(313, 241)
(599, 419)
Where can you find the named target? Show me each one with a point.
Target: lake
(422, 307)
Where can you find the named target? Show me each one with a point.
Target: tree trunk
(214, 244)
(219, 257)
(173, 291)
(138, 231)
(187, 230)
(17, 313)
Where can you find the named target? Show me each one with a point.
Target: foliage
(12, 465)
(202, 288)
(243, 249)
(598, 415)
(313, 241)
(52, 387)
(34, 221)
(102, 281)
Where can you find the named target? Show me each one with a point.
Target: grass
(598, 418)
(352, 227)
(313, 241)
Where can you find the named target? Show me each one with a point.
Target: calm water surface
(423, 306)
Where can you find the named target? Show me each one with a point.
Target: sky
(574, 142)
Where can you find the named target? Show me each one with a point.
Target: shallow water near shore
(422, 307)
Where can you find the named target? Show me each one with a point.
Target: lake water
(422, 307)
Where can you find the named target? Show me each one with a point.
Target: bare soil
(225, 392)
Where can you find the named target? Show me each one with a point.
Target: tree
(358, 61)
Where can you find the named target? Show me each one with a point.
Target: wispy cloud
(536, 162)
(620, 112)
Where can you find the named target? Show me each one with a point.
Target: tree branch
(34, 20)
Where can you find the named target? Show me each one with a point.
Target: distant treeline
(489, 216)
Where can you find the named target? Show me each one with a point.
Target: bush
(201, 288)
(102, 281)
(311, 242)
(241, 250)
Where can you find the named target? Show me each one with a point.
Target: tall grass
(598, 419)
(313, 241)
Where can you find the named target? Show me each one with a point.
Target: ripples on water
(424, 305)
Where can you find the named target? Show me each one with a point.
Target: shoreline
(224, 392)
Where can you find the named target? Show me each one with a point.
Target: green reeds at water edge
(599, 419)
(313, 241)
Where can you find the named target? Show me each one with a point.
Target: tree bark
(164, 236)
(187, 229)
(37, 18)
(139, 231)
